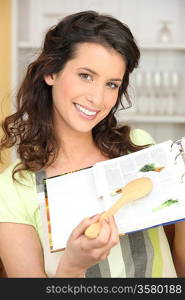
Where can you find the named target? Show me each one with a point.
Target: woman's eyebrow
(95, 73)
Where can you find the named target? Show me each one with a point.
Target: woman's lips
(86, 112)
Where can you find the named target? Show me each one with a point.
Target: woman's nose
(96, 95)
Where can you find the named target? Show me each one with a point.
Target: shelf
(152, 119)
(170, 47)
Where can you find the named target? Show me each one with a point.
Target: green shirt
(141, 254)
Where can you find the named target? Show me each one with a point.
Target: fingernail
(94, 216)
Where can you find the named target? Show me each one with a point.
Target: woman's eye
(85, 76)
(112, 85)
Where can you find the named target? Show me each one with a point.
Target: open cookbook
(74, 196)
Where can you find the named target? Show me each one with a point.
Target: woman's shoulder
(141, 137)
(22, 184)
(18, 197)
(8, 171)
(6, 175)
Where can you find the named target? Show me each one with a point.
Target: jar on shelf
(165, 34)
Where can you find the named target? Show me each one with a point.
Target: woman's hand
(82, 253)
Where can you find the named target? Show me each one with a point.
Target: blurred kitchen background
(157, 87)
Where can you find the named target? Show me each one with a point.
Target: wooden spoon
(133, 190)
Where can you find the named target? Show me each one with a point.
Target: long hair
(31, 127)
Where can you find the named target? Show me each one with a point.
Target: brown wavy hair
(31, 128)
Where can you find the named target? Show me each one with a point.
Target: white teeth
(86, 111)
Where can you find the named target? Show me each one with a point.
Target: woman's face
(87, 88)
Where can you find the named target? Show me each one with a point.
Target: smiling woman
(86, 90)
(86, 61)
(65, 120)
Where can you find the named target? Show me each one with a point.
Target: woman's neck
(76, 151)
(75, 145)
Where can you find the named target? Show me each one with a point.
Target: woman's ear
(49, 79)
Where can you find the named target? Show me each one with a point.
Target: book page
(70, 198)
(165, 203)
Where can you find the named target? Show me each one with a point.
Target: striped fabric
(143, 254)
(140, 254)
(132, 257)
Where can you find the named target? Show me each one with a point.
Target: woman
(65, 121)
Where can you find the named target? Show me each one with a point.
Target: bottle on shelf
(165, 34)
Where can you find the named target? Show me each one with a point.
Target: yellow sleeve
(17, 203)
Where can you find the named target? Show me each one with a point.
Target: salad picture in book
(106, 187)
